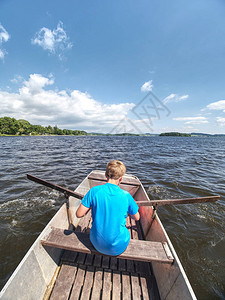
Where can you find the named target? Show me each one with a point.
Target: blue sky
(93, 65)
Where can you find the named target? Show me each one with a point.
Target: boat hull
(35, 275)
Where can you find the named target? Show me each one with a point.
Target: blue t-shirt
(109, 207)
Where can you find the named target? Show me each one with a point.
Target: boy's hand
(135, 217)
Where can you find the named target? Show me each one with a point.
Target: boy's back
(109, 206)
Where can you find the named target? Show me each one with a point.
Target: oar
(178, 201)
(140, 203)
(55, 187)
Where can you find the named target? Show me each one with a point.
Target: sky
(114, 66)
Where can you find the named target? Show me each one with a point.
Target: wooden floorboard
(145, 290)
(116, 285)
(122, 265)
(105, 262)
(88, 283)
(89, 260)
(69, 256)
(64, 282)
(126, 286)
(107, 284)
(98, 277)
(135, 286)
(97, 260)
(80, 259)
(113, 263)
(97, 284)
(78, 284)
(130, 266)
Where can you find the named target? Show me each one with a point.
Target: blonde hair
(115, 169)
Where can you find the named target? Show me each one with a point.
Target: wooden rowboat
(48, 271)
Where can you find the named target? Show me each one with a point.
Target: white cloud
(55, 41)
(220, 121)
(17, 79)
(35, 84)
(192, 120)
(169, 98)
(174, 98)
(75, 109)
(184, 97)
(4, 37)
(218, 105)
(147, 86)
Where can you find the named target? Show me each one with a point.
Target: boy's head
(115, 169)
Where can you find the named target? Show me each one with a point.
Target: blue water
(169, 167)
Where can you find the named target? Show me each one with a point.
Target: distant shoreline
(12, 127)
(117, 135)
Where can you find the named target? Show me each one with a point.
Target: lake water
(169, 167)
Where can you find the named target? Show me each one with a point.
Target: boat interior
(95, 276)
(52, 269)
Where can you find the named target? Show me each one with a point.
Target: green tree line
(11, 126)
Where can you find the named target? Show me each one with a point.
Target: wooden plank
(126, 180)
(144, 289)
(97, 260)
(113, 263)
(105, 262)
(139, 231)
(97, 286)
(134, 229)
(116, 286)
(122, 265)
(167, 250)
(69, 256)
(88, 282)
(140, 266)
(64, 282)
(107, 284)
(130, 266)
(78, 284)
(149, 287)
(89, 259)
(147, 282)
(126, 286)
(80, 259)
(178, 201)
(130, 263)
(80, 242)
(135, 286)
(82, 227)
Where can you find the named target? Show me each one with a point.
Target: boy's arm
(135, 217)
(81, 211)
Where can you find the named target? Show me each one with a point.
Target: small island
(174, 134)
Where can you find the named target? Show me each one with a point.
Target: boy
(109, 206)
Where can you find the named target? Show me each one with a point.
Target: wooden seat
(126, 180)
(80, 242)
